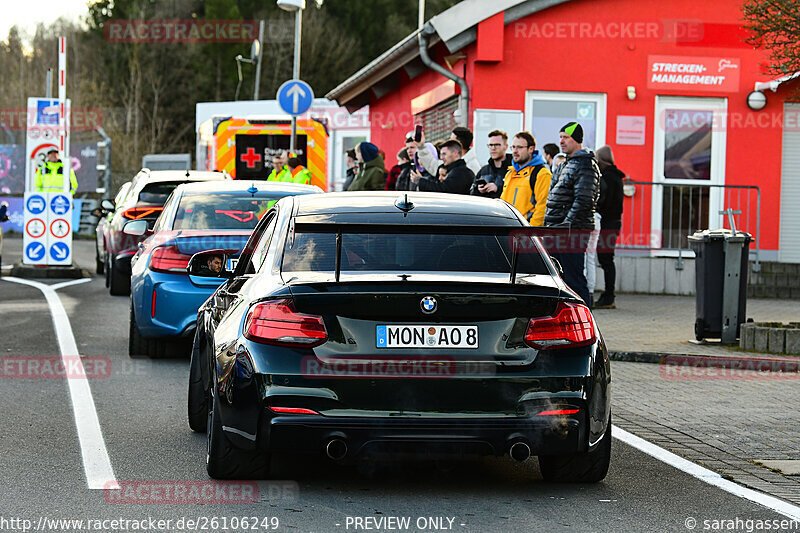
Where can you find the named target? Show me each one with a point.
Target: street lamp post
(297, 6)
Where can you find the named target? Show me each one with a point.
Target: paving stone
(793, 341)
(777, 340)
(790, 468)
(761, 340)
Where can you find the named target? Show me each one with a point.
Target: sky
(28, 13)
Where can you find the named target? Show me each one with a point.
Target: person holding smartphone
(489, 181)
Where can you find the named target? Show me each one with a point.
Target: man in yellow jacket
(50, 176)
(280, 170)
(527, 182)
(298, 173)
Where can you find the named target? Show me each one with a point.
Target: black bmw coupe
(366, 321)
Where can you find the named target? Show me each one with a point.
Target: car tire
(137, 345)
(225, 461)
(586, 467)
(119, 284)
(99, 261)
(198, 394)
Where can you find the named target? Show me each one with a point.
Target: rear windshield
(157, 193)
(404, 252)
(222, 211)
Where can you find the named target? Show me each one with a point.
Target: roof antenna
(187, 172)
(252, 189)
(404, 205)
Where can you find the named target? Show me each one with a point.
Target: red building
(665, 85)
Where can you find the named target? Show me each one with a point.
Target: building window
(438, 121)
(687, 144)
(547, 111)
(689, 155)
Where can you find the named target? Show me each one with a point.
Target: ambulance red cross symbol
(250, 157)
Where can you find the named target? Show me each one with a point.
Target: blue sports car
(197, 216)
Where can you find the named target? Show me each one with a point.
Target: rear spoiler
(412, 229)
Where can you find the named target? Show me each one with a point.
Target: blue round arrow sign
(59, 251)
(295, 97)
(35, 251)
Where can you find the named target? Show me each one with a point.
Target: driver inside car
(212, 267)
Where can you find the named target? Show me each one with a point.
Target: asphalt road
(140, 406)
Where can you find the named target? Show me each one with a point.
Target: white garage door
(790, 186)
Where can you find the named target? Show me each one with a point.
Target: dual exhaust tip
(336, 450)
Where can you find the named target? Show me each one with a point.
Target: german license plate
(421, 336)
(232, 264)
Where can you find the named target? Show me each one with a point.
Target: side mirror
(212, 264)
(557, 265)
(137, 228)
(108, 205)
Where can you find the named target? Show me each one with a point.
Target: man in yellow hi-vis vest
(298, 173)
(279, 168)
(50, 176)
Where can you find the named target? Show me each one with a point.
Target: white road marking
(704, 474)
(96, 462)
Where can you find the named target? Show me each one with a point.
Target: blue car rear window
(222, 211)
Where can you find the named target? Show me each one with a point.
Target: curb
(787, 364)
(53, 272)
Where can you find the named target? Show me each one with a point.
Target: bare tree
(775, 26)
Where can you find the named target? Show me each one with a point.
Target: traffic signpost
(295, 98)
(47, 215)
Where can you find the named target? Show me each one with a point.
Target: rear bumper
(481, 412)
(483, 436)
(176, 304)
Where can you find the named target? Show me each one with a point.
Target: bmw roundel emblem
(428, 305)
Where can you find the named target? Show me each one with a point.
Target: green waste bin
(721, 259)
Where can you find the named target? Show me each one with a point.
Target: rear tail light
(571, 326)
(559, 412)
(169, 259)
(293, 410)
(279, 323)
(136, 213)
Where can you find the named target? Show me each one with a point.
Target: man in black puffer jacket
(574, 191)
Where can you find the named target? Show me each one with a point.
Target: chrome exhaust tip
(336, 449)
(520, 451)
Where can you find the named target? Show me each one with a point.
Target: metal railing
(684, 210)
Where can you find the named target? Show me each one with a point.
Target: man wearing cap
(50, 176)
(571, 203)
(370, 175)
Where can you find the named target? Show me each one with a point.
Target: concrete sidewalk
(662, 324)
